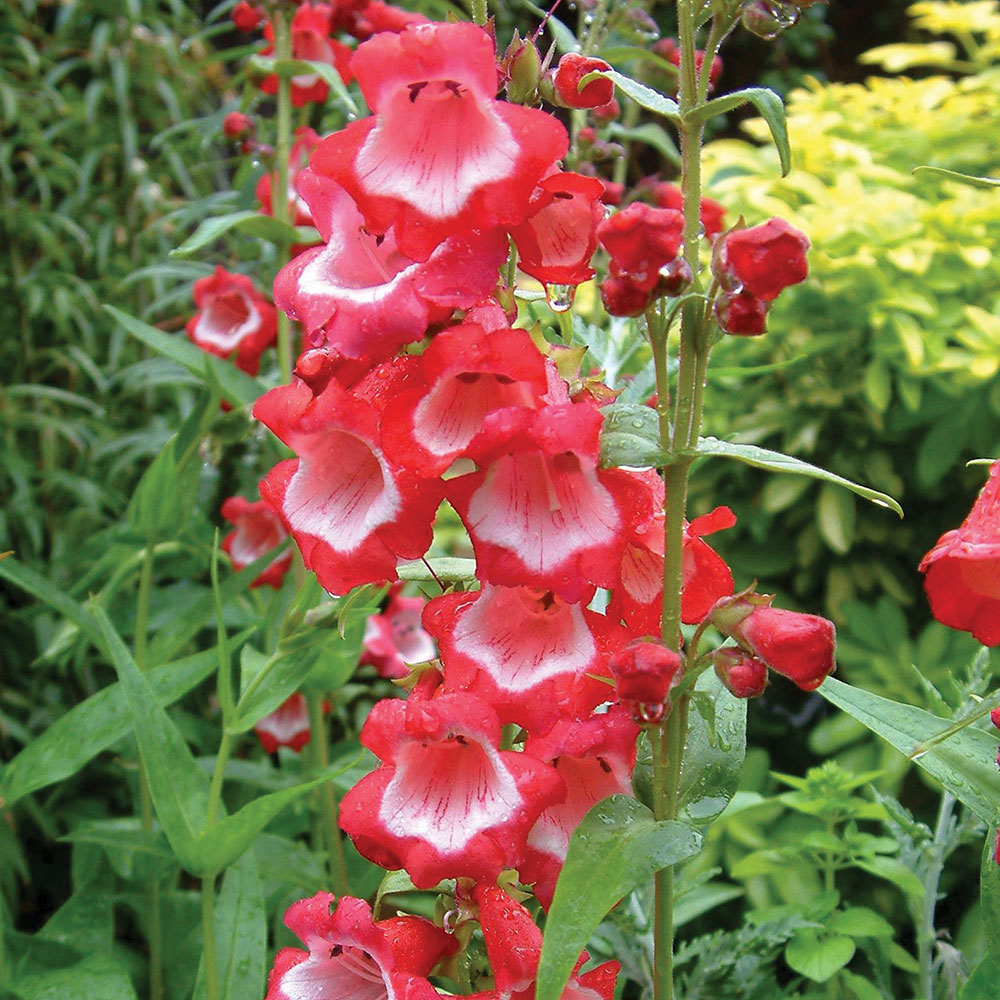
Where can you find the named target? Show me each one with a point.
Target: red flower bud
(237, 126)
(605, 113)
(744, 676)
(641, 240)
(572, 68)
(643, 672)
(741, 314)
(798, 646)
(763, 260)
(624, 297)
(247, 17)
(995, 716)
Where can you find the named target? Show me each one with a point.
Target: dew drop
(560, 297)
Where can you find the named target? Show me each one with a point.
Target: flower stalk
(279, 200)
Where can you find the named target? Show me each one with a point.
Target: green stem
(925, 931)
(155, 935)
(279, 197)
(328, 809)
(209, 961)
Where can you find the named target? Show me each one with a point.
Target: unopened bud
(237, 126)
(675, 278)
(644, 672)
(523, 68)
(743, 675)
(769, 18)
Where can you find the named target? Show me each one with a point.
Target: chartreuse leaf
(177, 785)
(249, 221)
(713, 757)
(776, 461)
(771, 108)
(238, 387)
(617, 847)
(964, 763)
(651, 100)
(818, 956)
(240, 934)
(630, 436)
(989, 894)
(953, 175)
(94, 725)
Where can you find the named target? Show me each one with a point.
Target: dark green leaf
(238, 387)
(630, 436)
(816, 956)
(989, 894)
(96, 724)
(621, 841)
(251, 222)
(982, 984)
(775, 461)
(965, 763)
(97, 976)
(713, 761)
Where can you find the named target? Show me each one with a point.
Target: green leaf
(651, 100)
(446, 569)
(965, 763)
(229, 839)
(713, 761)
(776, 461)
(238, 387)
(240, 934)
(291, 68)
(902, 959)
(771, 108)
(653, 135)
(892, 871)
(630, 436)
(859, 921)
(982, 984)
(836, 517)
(816, 956)
(265, 682)
(989, 894)
(178, 788)
(860, 987)
(953, 175)
(96, 724)
(620, 840)
(96, 976)
(252, 223)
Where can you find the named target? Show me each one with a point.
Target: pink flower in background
(299, 212)
(232, 318)
(257, 530)
(286, 726)
(395, 640)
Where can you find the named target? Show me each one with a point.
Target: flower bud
(624, 297)
(769, 18)
(247, 17)
(237, 126)
(572, 68)
(744, 676)
(763, 260)
(675, 278)
(740, 314)
(605, 113)
(798, 646)
(995, 716)
(523, 68)
(644, 672)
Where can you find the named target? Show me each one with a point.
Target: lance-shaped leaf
(447, 569)
(288, 69)
(651, 100)
(965, 763)
(96, 724)
(617, 847)
(989, 895)
(776, 461)
(238, 387)
(249, 221)
(954, 175)
(771, 108)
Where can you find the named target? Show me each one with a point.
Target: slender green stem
(328, 808)
(209, 961)
(141, 655)
(279, 197)
(480, 14)
(926, 936)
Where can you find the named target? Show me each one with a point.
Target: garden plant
(437, 465)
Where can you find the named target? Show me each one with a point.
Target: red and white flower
(232, 318)
(352, 957)
(299, 212)
(286, 726)
(595, 758)
(446, 802)
(440, 155)
(363, 294)
(541, 513)
(351, 512)
(464, 375)
(527, 652)
(257, 530)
